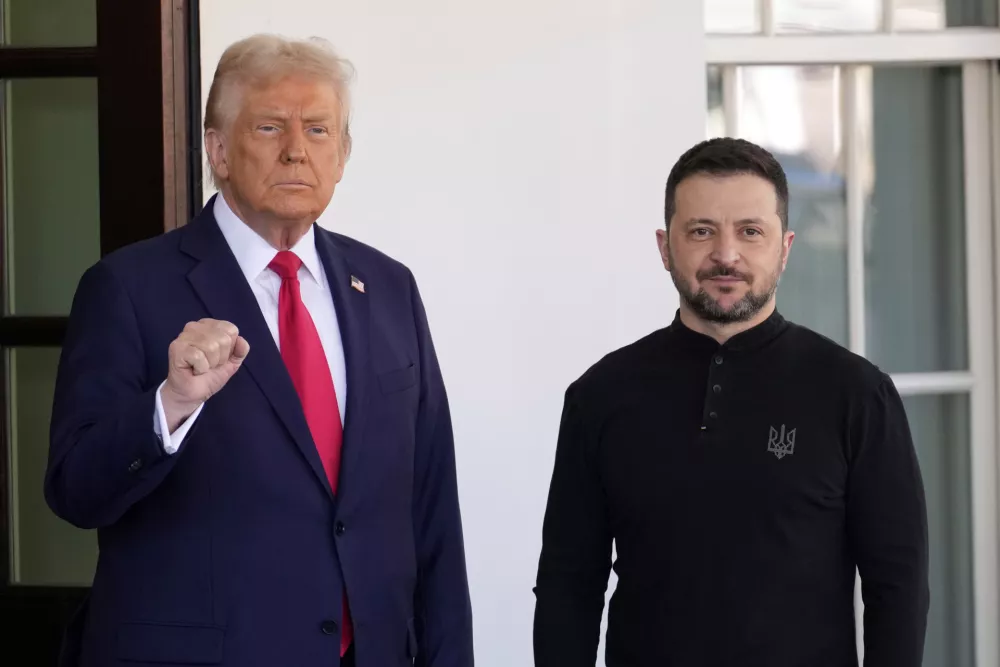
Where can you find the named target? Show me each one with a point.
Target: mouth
(293, 184)
(725, 280)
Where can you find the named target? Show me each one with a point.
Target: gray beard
(708, 309)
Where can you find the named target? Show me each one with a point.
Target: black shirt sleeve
(576, 549)
(887, 522)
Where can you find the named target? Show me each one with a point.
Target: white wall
(513, 153)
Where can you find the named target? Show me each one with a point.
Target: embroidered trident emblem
(781, 443)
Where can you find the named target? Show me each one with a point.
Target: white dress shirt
(253, 254)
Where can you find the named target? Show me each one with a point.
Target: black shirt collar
(751, 339)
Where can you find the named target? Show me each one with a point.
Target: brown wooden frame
(147, 67)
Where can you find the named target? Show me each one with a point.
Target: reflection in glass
(732, 16)
(848, 16)
(858, 16)
(795, 113)
(52, 202)
(805, 16)
(940, 427)
(919, 15)
(716, 116)
(915, 291)
(45, 550)
(940, 14)
(49, 23)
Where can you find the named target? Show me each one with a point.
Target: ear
(215, 148)
(786, 247)
(663, 242)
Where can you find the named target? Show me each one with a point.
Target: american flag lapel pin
(357, 284)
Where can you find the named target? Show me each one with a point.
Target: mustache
(723, 272)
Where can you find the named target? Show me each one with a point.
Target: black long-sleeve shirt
(741, 484)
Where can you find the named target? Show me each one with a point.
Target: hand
(201, 361)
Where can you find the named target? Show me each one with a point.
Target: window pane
(49, 23)
(46, 551)
(915, 287)
(805, 16)
(799, 16)
(716, 117)
(939, 14)
(732, 16)
(52, 204)
(794, 112)
(940, 426)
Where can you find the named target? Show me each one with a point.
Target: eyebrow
(283, 115)
(708, 221)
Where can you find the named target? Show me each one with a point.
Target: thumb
(240, 350)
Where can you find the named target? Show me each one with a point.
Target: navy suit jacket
(234, 551)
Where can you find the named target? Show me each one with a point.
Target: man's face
(283, 156)
(725, 249)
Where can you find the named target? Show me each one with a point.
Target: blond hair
(261, 59)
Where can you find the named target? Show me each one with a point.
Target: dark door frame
(147, 65)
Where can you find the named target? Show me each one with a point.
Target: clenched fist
(201, 361)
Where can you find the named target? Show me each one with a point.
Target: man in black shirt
(742, 465)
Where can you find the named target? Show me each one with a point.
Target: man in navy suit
(250, 412)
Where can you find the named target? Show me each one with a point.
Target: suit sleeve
(576, 549)
(887, 522)
(444, 610)
(103, 453)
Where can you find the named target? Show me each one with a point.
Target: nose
(725, 250)
(294, 149)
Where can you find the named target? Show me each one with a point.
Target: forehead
(291, 95)
(726, 198)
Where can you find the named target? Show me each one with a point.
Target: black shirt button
(713, 415)
(135, 465)
(328, 627)
(340, 528)
(718, 359)
(717, 389)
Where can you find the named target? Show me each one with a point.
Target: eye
(319, 131)
(267, 129)
(700, 232)
(750, 231)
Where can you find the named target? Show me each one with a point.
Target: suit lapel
(222, 287)
(352, 306)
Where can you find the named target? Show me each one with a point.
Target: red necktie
(303, 354)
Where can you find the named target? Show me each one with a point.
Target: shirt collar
(753, 338)
(253, 253)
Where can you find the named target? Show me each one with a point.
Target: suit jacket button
(328, 627)
(340, 528)
(135, 465)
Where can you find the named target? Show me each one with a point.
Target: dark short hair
(726, 156)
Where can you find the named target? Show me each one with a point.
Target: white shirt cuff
(171, 441)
